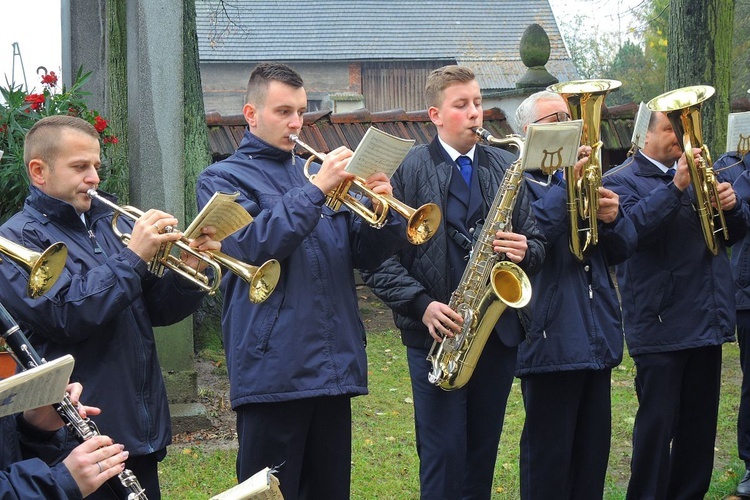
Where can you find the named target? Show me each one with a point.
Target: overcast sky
(35, 26)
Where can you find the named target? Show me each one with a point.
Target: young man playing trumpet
(295, 360)
(103, 307)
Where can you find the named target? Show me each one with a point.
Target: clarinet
(83, 428)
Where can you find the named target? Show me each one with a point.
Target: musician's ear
(36, 171)
(435, 117)
(251, 113)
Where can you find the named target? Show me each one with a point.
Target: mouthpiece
(484, 134)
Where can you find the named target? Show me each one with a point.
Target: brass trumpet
(262, 279)
(683, 108)
(421, 222)
(44, 268)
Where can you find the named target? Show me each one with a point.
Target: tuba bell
(44, 268)
(683, 108)
(585, 99)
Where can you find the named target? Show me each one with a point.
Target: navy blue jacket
(738, 173)
(420, 274)
(30, 466)
(307, 339)
(575, 314)
(101, 310)
(675, 294)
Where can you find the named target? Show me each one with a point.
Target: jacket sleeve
(393, 284)
(33, 479)
(524, 222)
(618, 239)
(651, 213)
(277, 229)
(34, 470)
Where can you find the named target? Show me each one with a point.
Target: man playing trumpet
(104, 306)
(296, 360)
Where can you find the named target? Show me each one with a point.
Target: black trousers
(458, 432)
(675, 426)
(566, 436)
(743, 417)
(308, 440)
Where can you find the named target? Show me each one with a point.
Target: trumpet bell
(423, 223)
(44, 268)
(264, 281)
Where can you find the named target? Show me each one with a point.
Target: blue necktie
(464, 165)
(670, 172)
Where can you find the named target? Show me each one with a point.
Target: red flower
(36, 101)
(100, 124)
(49, 79)
(3, 128)
(110, 139)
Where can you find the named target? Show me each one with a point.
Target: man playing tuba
(678, 307)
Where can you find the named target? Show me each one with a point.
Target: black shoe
(743, 489)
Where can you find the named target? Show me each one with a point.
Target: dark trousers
(566, 436)
(458, 432)
(145, 469)
(675, 426)
(743, 417)
(308, 440)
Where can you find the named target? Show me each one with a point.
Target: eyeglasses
(561, 116)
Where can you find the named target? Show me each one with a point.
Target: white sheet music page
(641, 126)
(552, 146)
(222, 212)
(378, 151)
(263, 485)
(738, 132)
(39, 386)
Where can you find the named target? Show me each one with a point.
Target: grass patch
(384, 460)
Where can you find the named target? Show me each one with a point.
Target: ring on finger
(98, 464)
(156, 225)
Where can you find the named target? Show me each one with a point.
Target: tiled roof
(325, 131)
(360, 30)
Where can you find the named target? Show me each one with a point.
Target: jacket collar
(644, 168)
(252, 146)
(63, 212)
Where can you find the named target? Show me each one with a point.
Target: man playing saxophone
(457, 431)
(104, 306)
(678, 309)
(574, 334)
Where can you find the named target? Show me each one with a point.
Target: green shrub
(20, 109)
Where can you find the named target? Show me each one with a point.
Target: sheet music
(39, 386)
(738, 132)
(263, 485)
(222, 212)
(641, 126)
(378, 151)
(552, 146)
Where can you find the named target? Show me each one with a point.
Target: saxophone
(83, 428)
(488, 285)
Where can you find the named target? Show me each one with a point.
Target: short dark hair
(43, 139)
(263, 75)
(442, 78)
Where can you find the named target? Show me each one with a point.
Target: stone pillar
(155, 132)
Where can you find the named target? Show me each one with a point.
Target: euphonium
(262, 280)
(683, 108)
(421, 222)
(487, 287)
(83, 429)
(584, 99)
(43, 268)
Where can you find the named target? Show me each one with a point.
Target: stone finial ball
(534, 47)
